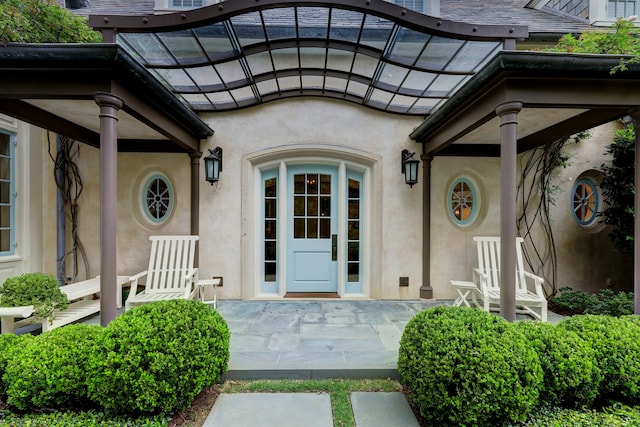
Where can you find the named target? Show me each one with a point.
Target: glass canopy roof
(262, 51)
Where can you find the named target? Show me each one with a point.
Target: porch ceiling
(562, 94)
(246, 52)
(53, 86)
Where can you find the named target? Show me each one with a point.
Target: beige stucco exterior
(313, 131)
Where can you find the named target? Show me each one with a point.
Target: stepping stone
(382, 410)
(271, 410)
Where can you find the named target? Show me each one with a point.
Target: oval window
(463, 201)
(157, 197)
(585, 201)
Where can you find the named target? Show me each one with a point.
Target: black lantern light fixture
(213, 165)
(409, 167)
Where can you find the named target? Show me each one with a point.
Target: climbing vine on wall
(69, 184)
(536, 196)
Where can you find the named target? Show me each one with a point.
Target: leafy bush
(50, 370)
(82, 419)
(605, 302)
(42, 21)
(158, 357)
(9, 345)
(468, 367)
(571, 373)
(37, 289)
(616, 415)
(616, 343)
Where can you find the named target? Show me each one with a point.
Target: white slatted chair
(487, 279)
(171, 273)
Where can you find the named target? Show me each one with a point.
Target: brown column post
(426, 291)
(635, 114)
(109, 105)
(508, 113)
(195, 197)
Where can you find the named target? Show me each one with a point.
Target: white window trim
(281, 157)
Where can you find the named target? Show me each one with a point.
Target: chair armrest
(480, 279)
(537, 280)
(133, 283)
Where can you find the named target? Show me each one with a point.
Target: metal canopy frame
(242, 53)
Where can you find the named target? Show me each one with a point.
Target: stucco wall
(585, 259)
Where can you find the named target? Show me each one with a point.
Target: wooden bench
(82, 304)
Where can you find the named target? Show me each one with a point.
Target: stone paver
(382, 410)
(271, 410)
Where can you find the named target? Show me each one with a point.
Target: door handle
(334, 247)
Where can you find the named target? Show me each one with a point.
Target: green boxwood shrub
(571, 373)
(9, 345)
(37, 289)
(50, 370)
(468, 367)
(158, 357)
(616, 342)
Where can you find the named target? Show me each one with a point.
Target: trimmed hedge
(468, 367)
(463, 366)
(10, 344)
(572, 376)
(158, 357)
(616, 343)
(49, 371)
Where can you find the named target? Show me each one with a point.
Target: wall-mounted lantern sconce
(409, 168)
(213, 165)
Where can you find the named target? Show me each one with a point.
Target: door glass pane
(312, 228)
(325, 206)
(312, 206)
(354, 189)
(298, 206)
(298, 228)
(270, 250)
(270, 188)
(325, 228)
(298, 184)
(270, 208)
(354, 230)
(354, 209)
(270, 229)
(353, 252)
(270, 271)
(325, 184)
(312, 184)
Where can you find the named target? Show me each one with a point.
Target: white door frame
(313, 154)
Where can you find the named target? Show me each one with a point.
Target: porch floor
(302, 339)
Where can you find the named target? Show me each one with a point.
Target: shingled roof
(500, 12)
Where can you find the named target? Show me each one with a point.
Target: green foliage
(616, 343)
(9, 345)
(571, 373)
(621, 40)
(50, 370)
(42, 21)
(611, 416)
(37, 289)
(158, 357)
(468, 367)
(605, 302)
(618, 188)
(82, 419)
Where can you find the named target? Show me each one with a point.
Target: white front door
(312, 244)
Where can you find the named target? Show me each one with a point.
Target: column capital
(106, 99)
(511, 107)
(195, 156)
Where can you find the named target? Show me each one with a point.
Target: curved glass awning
(241, 53)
